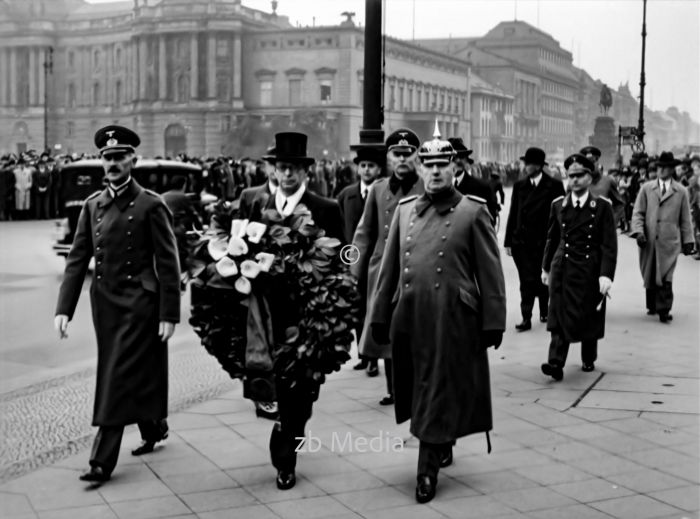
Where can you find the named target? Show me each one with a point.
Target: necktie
(284, 205)
(363, 194)
(663, 188)
(532, 181)
(578, 204)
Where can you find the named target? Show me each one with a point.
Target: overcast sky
(604, 36)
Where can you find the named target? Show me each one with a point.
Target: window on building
(72, 99)
(118, 57)
(326, 89)
(402, 101)
(71, 59)
(266, 92)
(295, 92)
(70, 129)
(221, 48)
(225, 123)
(118, 93)
(96, 94)
(97, 58)
(223, 89)
(182, 90)
(409, 103)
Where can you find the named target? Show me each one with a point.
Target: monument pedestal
(605, 139)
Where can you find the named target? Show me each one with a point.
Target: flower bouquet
(271, 299)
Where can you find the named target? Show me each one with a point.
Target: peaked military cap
(114, 137)
(403, 138)
(591, 150)
(578, 163)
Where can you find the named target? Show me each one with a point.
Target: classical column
(162, 69)
(3, 79)
(211, 66)
(32, 76)
(13, 76)
(194, 66)
(142, 67)
(237, 67)
(43, 54)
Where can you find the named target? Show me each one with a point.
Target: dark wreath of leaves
(324, 294)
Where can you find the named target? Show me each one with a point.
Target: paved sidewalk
(619, 442)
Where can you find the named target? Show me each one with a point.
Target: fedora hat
(667, 159)
(462, 152)
(534, 156)
(291, 147)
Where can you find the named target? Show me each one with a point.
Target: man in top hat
(373, 230)
(526, 232)
(440, 302)
(578, 266)
(294, 398)
(135, 296)
(662, 227)
(371, 162)
(466, 183)
(603, 185)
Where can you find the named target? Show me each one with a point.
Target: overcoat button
(99, 220)
(128, 233)
(386, 226)
(97, 233)
(439, 270)
(437, 285)
(406, 269)
(444, 238)
(408, 253)
(447, 224)
(131, 204)
(130, 218)
(98, 248)
(566, 255)
(441, 254)
(99, 277)
(406, 285)
(408, 238)
(128, 277)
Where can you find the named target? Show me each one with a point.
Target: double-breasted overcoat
(439, 286)
(135, 285)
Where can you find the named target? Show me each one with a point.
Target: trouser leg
(664, 298)
(558, 350)
(295, 407)
(389, 374)
(153, 430)
(651, 299)
(589, 351)
(543, 296)
(105, 449)
(429, 455)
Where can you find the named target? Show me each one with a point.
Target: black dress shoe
(543, 318)
(524, 326)
(360, 365)
(665, 318)
(555, 372)
(267, 410)
(372, 369)
(387, 400)
(446, 459)
(651, 312)
(425, 489)
(588, 367)
(285, 480)
(145, 448)
(95, 474)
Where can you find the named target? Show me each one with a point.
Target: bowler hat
(462, 152)
(667, 159)
(291, 147)
(115, 137)
(534, 156)
(371, 154)
(591, 150)
(402, 139)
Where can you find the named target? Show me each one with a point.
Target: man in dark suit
(371, 162)
(294, 398)
(526, 232)
(135, 296)
(466, 183)
(578, 265)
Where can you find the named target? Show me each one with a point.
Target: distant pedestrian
(579, 267)
(135, 297)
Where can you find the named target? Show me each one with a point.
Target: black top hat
(114, 137)
(534, 156)
(371, 154)
(667, 159)
(403, 138)
(291, 147)
(591, 150)
(578, 162)
(462, 151)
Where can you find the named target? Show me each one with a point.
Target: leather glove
(380, 333)
(605, 283)
(491, 338)
(545, 278)
(688, 248)
(641, 240)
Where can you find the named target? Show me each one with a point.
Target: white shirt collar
(272, 187)
(292, 201)
(583, 198)
(667, 182)
(364, 188)
(536, 179)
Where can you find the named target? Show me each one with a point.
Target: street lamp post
(48, 69)
(642, 80)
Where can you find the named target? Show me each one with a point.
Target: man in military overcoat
(135, 298)
(526, 232)
(578, 266)
(373, 230)
(440, 303)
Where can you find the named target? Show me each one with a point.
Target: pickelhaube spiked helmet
(436, 150)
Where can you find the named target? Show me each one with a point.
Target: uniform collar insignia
(592, 204)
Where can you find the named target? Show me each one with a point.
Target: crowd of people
(428, 274)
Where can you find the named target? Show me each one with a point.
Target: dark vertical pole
(48, 69)
(372, 111)
(642, 80)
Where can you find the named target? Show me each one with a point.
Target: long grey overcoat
(440, 285)
(136, 284)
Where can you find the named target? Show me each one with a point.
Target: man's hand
(165, 330)
(509, 251)
(605, 284)
(60, 322)
(688, 248)
(380, 333)
(491, 338)
(641, 240)
(545, 278)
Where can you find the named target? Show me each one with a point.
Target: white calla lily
(265, 260)
(238, 228)
(250, 269)
(255, 231)
(217, 248)
(243, 285)
(237, 246)
(226, 267)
